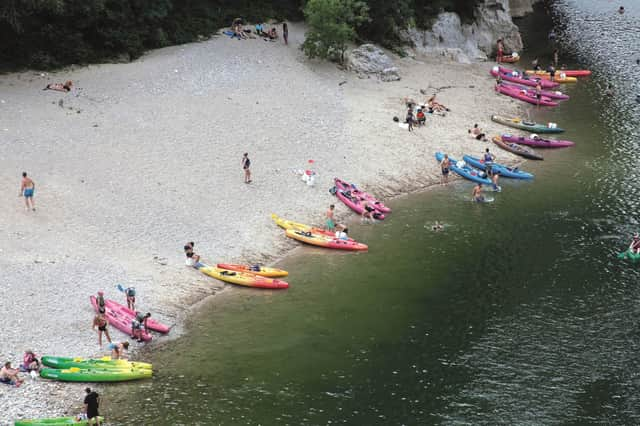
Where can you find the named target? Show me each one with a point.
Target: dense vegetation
(51, 33)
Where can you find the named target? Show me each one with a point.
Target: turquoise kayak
(529, 126)
(465, 171)
(54, 421)
(509, 172)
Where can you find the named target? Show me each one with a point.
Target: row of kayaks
(56, 421)
(534, 78)
(93, 370)
(474, 169)
(316, 236)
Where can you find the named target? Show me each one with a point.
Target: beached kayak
(509, 58)
(95, 363)
(466, 171)
(263, 271)
(357, 205)
(95, 375)
(326, 242)
(568, 73)
(242, 278)
(515, 77)
(551, 94)
(151, 324)
(539, 142)
(628, 254)
(119, 319)
(373, 201)
(529, 126)
(54, 421)
(289, 224)
(559, 78)
(508, 172)
(517, 149)
(525, 95)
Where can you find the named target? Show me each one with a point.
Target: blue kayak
(502, 170)
(466, 171)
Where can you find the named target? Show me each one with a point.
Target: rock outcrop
(367, 60)
(520, 8)
(469, 42)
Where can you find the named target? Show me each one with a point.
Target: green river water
(517, 313)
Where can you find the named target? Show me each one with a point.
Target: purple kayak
(552, 94)
(374, 202)
(539, 142)
(506, 75)
(525, 95)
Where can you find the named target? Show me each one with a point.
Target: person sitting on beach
(236, 27)
(342, 234)
(536, 66)
(193, 259)
(255, 268)
(476, 132)
(477, 193)
(101, 322)
(367, 212)
(118, 350)
(9, 375)
(436, 106)
(420, 117)
(273, 33)
(259, 29)
(60, 87)
(30, 361)
(634, 247)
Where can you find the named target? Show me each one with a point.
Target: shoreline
(103, 237)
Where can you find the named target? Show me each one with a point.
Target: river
(518, 312)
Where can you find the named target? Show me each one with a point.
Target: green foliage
(332, 24)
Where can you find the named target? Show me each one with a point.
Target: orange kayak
(325, 241)
(255, 270)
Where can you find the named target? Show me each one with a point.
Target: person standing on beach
(445, 164)
(538, 92)
(27, 187)
(130, 292)
(101, 322)
(555, 58)
(330, 225)
(285, 33)
(500, 48)
(410, 119)
(91, 404)
(246, 163)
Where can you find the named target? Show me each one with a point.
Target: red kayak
(373, 201)
(525, 95)
(119, 319)
(151, 324)
(507, 75)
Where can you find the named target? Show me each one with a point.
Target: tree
(332, 24)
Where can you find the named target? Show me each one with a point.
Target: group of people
(30, 364)
(261, 30)
(341, 231)
(431, 106)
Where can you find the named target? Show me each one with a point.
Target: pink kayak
(524, 80)
(357, 205)
(552, 94)
(151, 324)
(539, 142)
(378, 205)
(525, 95)
(119, 319)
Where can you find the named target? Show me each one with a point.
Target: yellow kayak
(242, 278)
(263, 271)
(289, 224)
(558, 78)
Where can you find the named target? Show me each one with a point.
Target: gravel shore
(139, 158)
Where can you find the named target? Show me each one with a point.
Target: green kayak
(629, 255)
(95, 374)
(99, 363)
(529, 126)
(54, 421)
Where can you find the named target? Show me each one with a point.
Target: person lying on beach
(118, 350)
(60, 87)
(101, 322)
(30, 361)
(9, 375)
(634, 247)
(436, 106)
(476, 132)
(273, 34)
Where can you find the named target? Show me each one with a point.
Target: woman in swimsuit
(445, 164)
(101, 322)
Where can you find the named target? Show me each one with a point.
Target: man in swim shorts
(477, 193)
(27, 189)
(330, 224)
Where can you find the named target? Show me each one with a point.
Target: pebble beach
(141, 157)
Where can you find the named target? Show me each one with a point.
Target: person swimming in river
(437, 226)
(477, 193)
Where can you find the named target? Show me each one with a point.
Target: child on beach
(100, 321)
(9, 375)
(27, 188)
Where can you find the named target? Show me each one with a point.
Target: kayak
(467, 172)
(373, 201)
(508, 172)
(568, 73)
(517, 149)
(262, 270)
(529, 126)
(324, 241)
(357, 205)
(289, 224)
(552, 94)
(525, 95)
(95, 374)
(509, 58)
(55, 421)
(99, 363)
(151, 324)
(539, 142)
(559, 78)
(119, 319)
(519, 79)
(242, 278)
(628, 254)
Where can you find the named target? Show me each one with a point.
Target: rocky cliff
(520, 8)
(471, 42)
